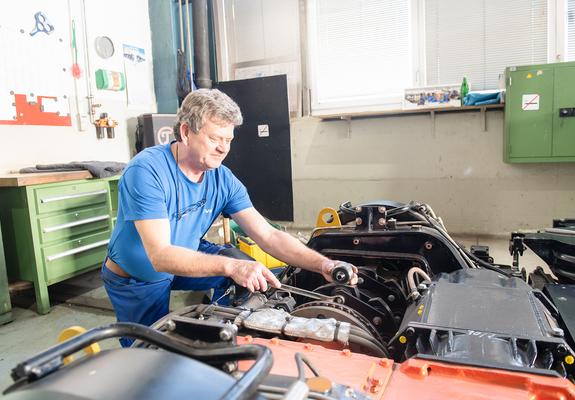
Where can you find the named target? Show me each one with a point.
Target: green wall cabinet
(55, 231)
(540, 113)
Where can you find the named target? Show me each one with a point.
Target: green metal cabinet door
(530, 113)
(5, 305)
(564, 128)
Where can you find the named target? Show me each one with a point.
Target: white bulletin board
(35, 63)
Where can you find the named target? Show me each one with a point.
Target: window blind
(571, 30)
(479, 38)
(360, 50)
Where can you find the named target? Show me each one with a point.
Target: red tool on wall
(76, 70)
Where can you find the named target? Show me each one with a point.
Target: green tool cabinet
(540, 113)
(54, 231)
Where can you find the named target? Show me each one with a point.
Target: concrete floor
(83, 301)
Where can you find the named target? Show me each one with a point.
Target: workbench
(55, 226)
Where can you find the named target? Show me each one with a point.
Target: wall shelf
(432, 111)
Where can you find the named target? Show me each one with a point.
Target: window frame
(556, 52)
(372, 103)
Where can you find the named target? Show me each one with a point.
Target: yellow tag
(529, 76)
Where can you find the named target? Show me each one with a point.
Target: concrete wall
(454, 166)
(125, 22)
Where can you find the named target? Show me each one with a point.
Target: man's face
(209, 147)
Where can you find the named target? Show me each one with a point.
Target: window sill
(432, 111)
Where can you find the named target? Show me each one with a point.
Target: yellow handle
(71, 332)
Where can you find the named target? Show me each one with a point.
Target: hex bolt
(377, 321)
(358, 221)
(381, 221)
(391, 298)
(358, 209)
(557, 332)
(428, 245)
(409, 331)
(170, 325)
(229, 367)
(381, 209)
(226, 335)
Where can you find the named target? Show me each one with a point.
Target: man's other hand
(253, 276)
(327, 267)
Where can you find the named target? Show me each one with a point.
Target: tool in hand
(342, 273)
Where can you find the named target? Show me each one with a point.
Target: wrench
(309, 294)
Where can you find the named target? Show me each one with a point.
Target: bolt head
(226, 335)
(170, 325)
(229, 367)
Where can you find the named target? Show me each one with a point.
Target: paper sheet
(136, 70)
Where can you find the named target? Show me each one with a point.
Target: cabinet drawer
(64, 259)
(81, 222)
(65, 197)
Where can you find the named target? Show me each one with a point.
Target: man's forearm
(285, 247)
(185, 262)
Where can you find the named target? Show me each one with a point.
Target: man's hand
(328, 265)
(252, 275)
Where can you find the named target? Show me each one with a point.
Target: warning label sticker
(530, 102)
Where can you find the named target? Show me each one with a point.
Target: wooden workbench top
(15, 180)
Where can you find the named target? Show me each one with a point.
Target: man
(169, 196)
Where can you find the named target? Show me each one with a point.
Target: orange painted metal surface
(32, 114)
(381, 378)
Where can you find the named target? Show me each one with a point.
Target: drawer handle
(72, 196)
(78, 250)
(75, 223)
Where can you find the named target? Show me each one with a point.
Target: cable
(300, 360)
(471, 259)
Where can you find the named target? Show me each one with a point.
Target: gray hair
(206, 104)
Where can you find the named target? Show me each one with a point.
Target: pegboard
(36, 60)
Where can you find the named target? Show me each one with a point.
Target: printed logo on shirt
(184, 212)
(208, 210)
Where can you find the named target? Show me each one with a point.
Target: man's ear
(184, 133)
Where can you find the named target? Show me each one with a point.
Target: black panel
(263, 164)
(154, 129)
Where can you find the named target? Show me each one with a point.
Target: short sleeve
(238, 198)
(141, 195)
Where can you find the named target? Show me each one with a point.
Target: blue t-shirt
(153, 187)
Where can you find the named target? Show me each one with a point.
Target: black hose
(52, 359)
(485, 264)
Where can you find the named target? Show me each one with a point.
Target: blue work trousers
(147, 302)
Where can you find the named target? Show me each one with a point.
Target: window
(363, 54)
(478, 39)
(360, 53)
(571, 30)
